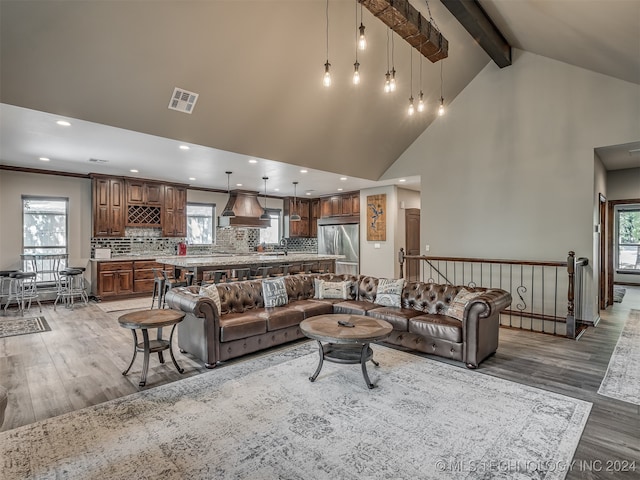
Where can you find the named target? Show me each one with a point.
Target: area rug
(140, 303)
(618, 293)
(10, 327)
(622, 380)
(263, 419)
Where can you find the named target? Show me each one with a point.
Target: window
(200, 224)
(628, 248)
(44, 230)
(271, 234)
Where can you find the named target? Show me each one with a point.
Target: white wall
(380, 262)
(623, 184)
(508, 172)
(15, 184)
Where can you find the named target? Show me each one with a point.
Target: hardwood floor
(79, 363)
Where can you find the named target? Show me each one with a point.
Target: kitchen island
(202, 264)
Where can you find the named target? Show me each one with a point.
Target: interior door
(602, 291)
(412, 243)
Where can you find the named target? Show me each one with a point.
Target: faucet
(284, 242)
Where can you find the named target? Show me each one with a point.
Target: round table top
(150, 318)
(326, 328)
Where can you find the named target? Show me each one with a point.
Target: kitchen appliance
(344, 240)
(182, 248)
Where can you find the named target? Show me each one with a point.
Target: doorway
(412, 243)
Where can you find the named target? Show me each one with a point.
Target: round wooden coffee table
(144, 320)
(345, 344)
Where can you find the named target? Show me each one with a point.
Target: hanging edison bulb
(362, 40)
(392, 81)
(421, 105)
(356, 73)
(411, 109)
(387, 82)
(326, 80)
(441, 108)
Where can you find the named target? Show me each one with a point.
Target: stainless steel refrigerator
(341, 240)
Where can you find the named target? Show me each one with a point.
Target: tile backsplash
(144, 241)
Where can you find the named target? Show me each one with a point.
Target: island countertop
(231, 260)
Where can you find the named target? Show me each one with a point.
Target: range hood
(247, 209)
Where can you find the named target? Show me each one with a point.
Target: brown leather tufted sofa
(244, 325)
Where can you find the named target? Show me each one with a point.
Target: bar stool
(22, 288)
(260, 272)
(169, 283)
(5, 279)
(70, 286)
(240, 274)
(282, 271)
(158, 287)
(220, 276)
(307, 267)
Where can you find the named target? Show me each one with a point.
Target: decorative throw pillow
(389, 292)
(335, 289)
(317, 288)
(211, 291)
(274, 292)
(459, 303)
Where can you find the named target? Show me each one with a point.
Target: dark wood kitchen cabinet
(109, 211)
(174, 215)
(111, 279)
(314, 215)
(141, 192)
(299, 228)
(347, 204)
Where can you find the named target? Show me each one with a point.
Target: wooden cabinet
(143, 275)
(174, 215)
(298, 228)
(108, 207)
(110, 279)
(140, 192)
(314, 214)
(340, 205)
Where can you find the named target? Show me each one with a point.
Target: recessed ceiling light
(253, 160)
(343, 178)
(402, 180)
(183, 147)
(238, 184)
(308, 193)
(304, 171)
(192, 178)
(276, 189)
(133, 170)
(340, 189)
(45, 159)
(64, 123)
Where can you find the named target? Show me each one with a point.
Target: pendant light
(411, 109)
(294, 216)
(387, 76)
(441, 108)
(421, 105)
(326, 80)
(392, 82)
(362, 40)
(265, 215)
(228, 211)
(356, 66)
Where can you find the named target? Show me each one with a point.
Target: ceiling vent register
(183, 100)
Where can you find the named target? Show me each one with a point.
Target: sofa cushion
(398, 317)
(211, 291)
(325, 289)
(311, 308)
(274, 292)
(234, 326)
(281, 317)
(436, 326)
(354, 307)
(389, 292)
(459, 303)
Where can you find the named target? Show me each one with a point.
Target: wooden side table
(144, 320)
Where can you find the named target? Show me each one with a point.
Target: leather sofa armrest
(188, 300)
(494, 300)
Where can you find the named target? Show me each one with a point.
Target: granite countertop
(242, 259)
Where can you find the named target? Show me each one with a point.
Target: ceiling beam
(474, 19)
(406, 21)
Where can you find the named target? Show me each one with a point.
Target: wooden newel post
(401, 261)
(571, 319)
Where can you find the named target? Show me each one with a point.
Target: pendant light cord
(327, 15)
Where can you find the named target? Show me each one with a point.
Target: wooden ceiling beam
(474, 19)
(406, 21)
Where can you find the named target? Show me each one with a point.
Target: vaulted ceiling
(257, 66)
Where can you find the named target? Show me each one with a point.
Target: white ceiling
(260, 93)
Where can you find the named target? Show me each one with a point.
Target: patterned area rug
(141, 303)
(263, 419)
(10, 327)
(618, 293)
(622, 380)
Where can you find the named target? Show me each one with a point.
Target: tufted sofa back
(430, 297)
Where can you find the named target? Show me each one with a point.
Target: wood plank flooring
(79, 363)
